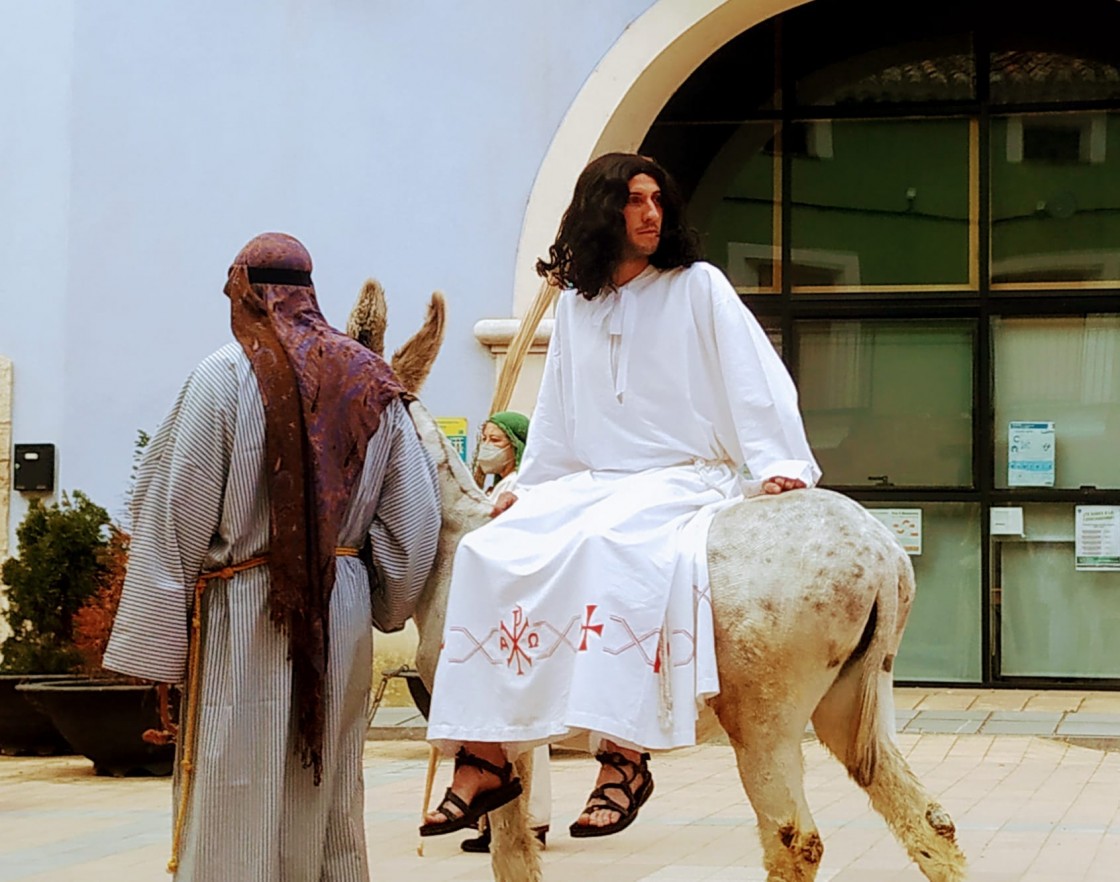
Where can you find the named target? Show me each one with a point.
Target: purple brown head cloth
(323, 396)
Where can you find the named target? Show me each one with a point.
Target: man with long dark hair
(662, 403)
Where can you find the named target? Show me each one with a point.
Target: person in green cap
(499, 454)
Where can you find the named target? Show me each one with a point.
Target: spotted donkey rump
(810, 596)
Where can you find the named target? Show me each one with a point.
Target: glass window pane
(734, 207)
(1054, 620)
(1065, 371)
(942, 639)
(1056, 198)
(924, 55)
(888, 402)
(883, 202)
(727, 174)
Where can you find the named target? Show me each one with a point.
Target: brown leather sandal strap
(503, 773)
(597, 800)
(453, 799)
(629, 769)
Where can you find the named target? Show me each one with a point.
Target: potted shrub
(64, 588)
(57, 570)
(103, 715)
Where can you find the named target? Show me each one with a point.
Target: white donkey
(810, 595)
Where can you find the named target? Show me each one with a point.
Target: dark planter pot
(104, 719)
(24, 729)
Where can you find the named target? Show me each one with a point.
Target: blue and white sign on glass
(1030, 454)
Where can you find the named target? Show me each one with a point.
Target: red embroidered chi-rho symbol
(511, 641)
(587, 627)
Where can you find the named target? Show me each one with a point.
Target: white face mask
(492, 459)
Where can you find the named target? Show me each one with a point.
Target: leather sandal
(463, 814)
(635, 798)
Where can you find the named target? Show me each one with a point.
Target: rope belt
(186, 746)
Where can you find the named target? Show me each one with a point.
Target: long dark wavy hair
(592, 233)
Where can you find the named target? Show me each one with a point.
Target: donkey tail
(873, 719)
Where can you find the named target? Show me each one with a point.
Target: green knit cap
(516, 427)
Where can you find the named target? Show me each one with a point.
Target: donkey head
(464, 506)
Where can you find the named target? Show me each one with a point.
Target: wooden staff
(433, 764)
(518, 348)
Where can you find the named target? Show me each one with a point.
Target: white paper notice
(1030, 454)
(1098, 538)
(905, 524)
(1007, 521)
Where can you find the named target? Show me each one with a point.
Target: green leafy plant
(93, 623)
(61, 564)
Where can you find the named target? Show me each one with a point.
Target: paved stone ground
(1030, 806)
(919, 711)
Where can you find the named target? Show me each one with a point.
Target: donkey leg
(768, 753)
(919, 823)
(514, 850)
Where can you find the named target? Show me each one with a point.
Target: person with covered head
(582, 609)
(286, 454)
(501, 447)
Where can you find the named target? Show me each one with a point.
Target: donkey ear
(413, 361)
(368, 317)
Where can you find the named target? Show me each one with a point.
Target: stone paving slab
(1089, 727)
(951, 715)
(945, 725)
(1027, 810)
(1019, 727)
(1022, 716)
(1101, 702)
(1089, 717)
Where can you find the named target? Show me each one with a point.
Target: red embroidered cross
(510, 641)
(586, 627)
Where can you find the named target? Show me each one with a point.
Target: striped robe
(201, 502)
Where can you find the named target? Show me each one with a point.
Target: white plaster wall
(36, 58)
(143, 143)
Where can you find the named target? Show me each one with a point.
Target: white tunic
(201, 502)
(564, 609)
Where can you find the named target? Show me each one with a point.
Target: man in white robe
(662, 402)
(203, 501)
